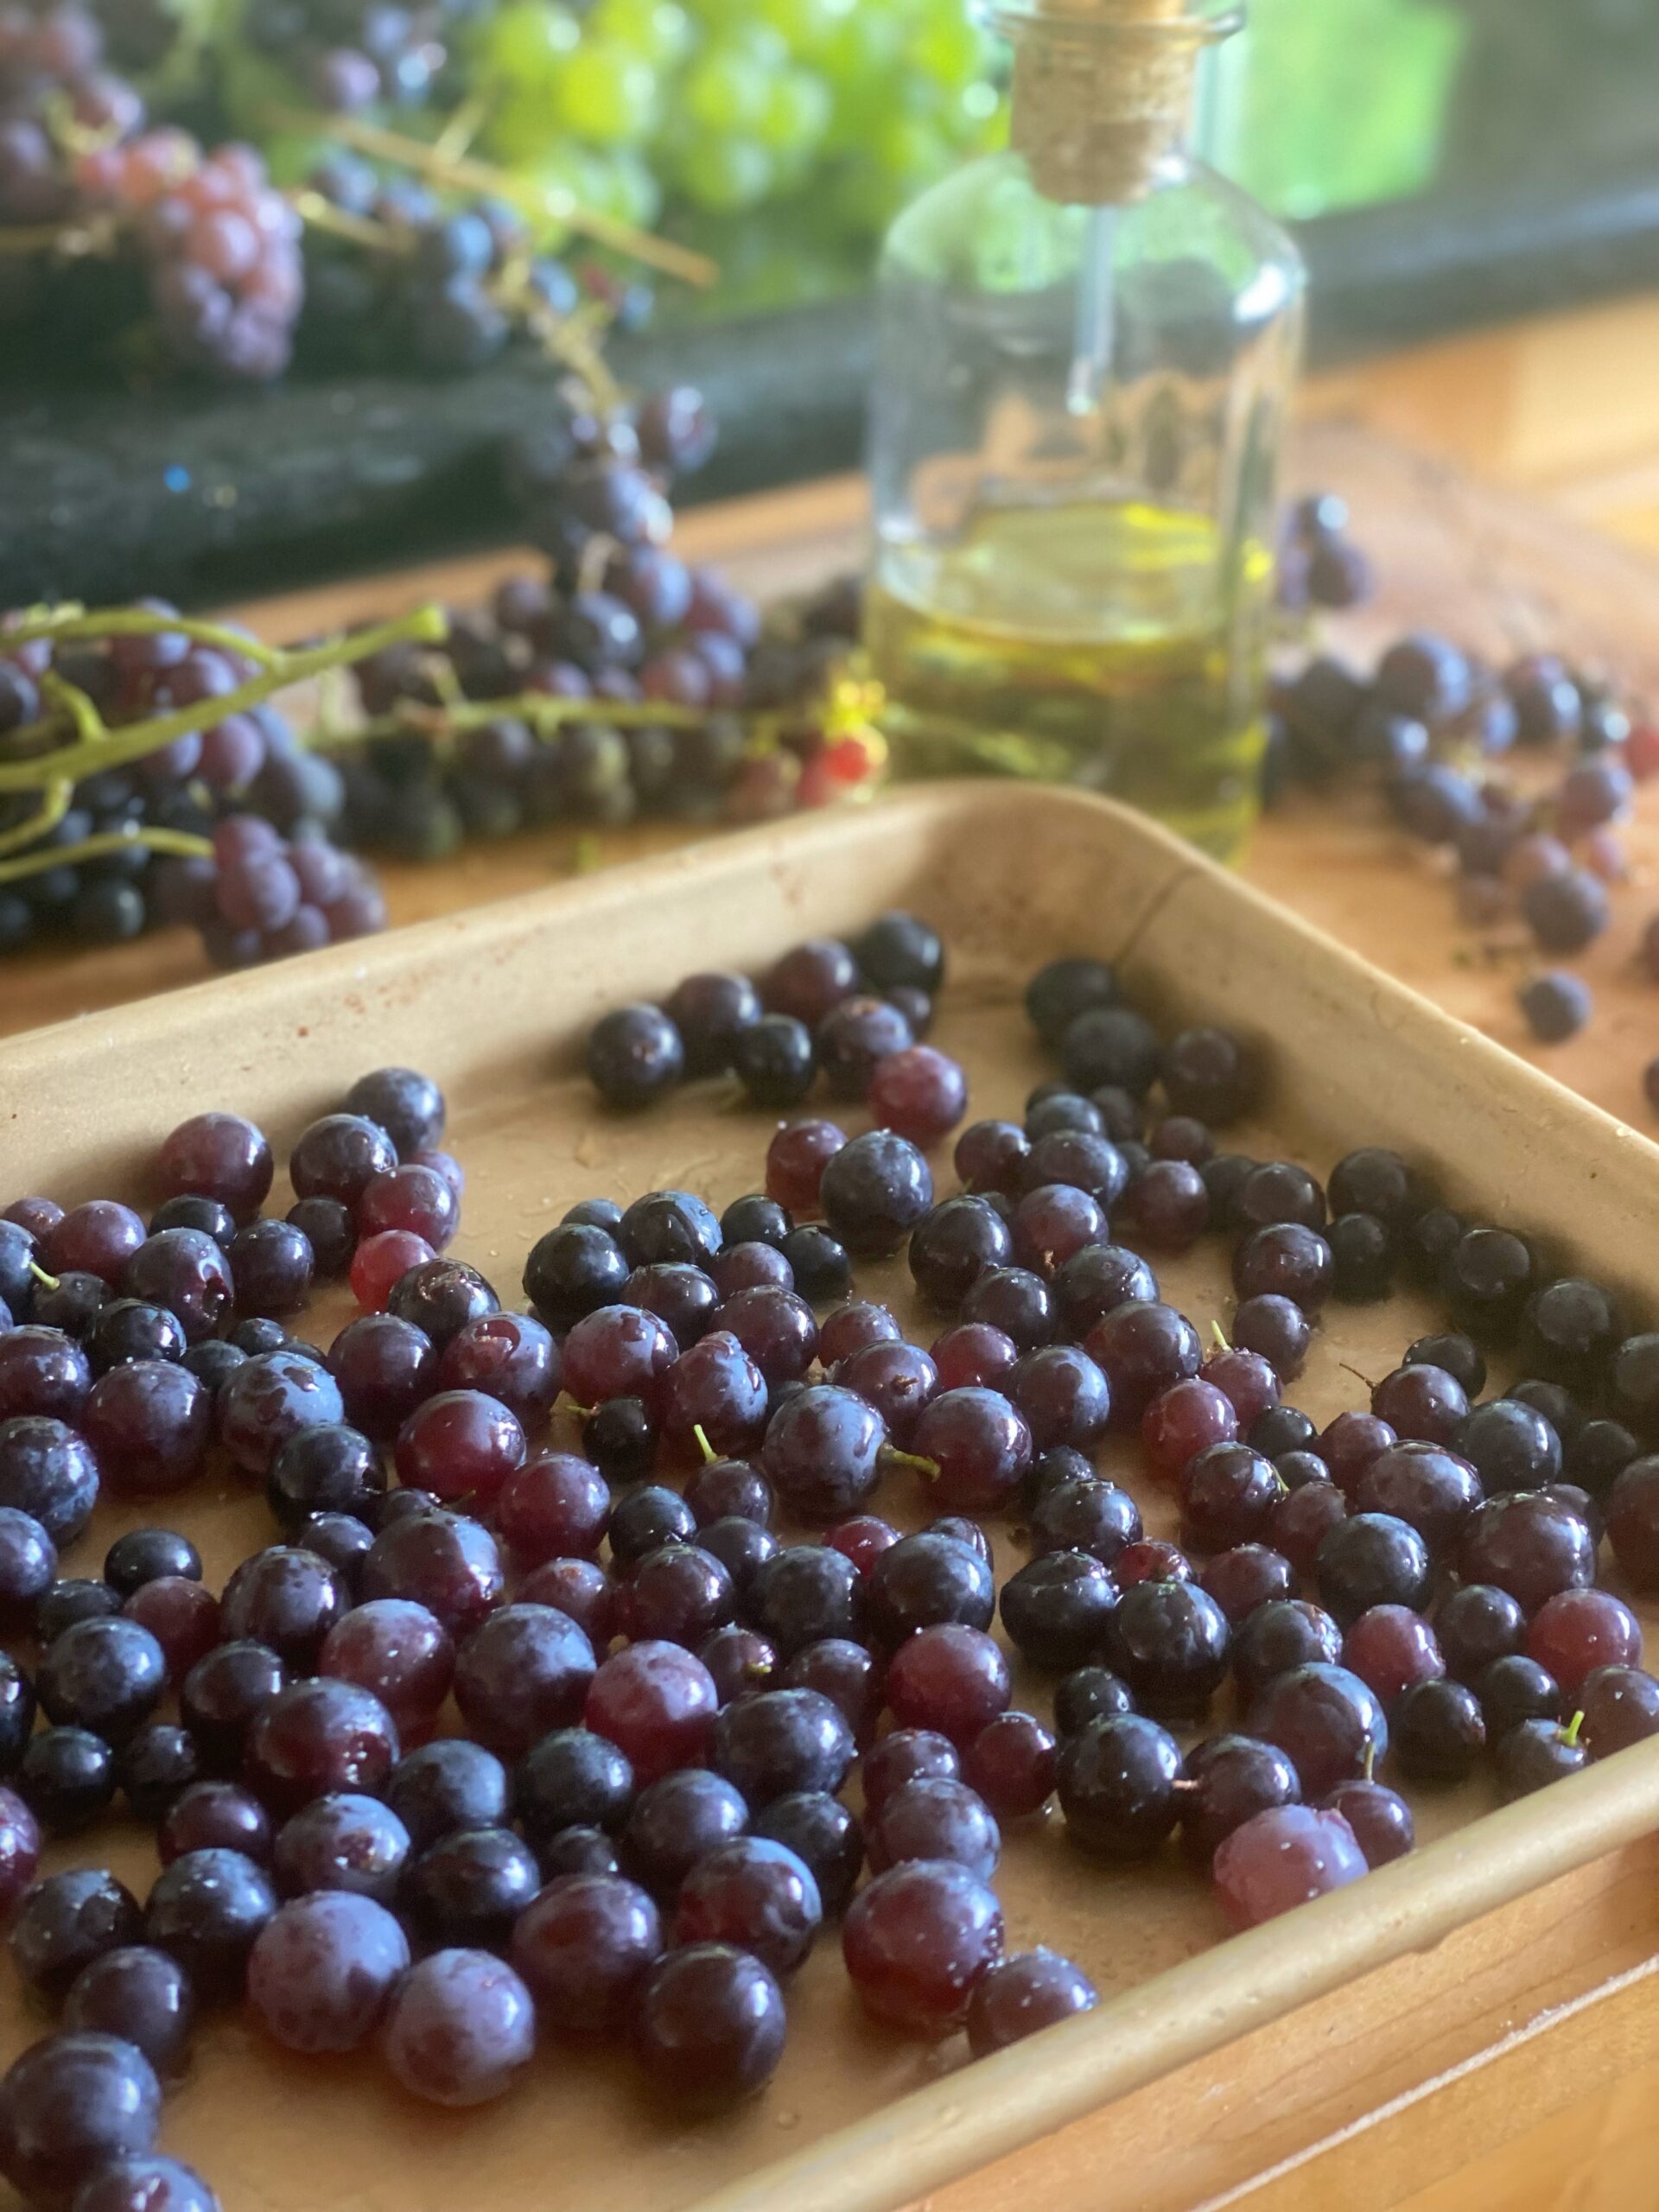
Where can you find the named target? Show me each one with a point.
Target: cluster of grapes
(228, 264)
(451, 292)
(1431, 724)
(641, 1829)
(133, 838)
(219, 249)
(262, 897)
(351, 54)
(633, 103)
(671, 656)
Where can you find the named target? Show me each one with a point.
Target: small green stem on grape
(427, 626)
(1218, 1336)
(46, 1281)
(1370, 1761)
(582, 1413)
(94, 849)
(892, 1456)
(1570, 1734)
(710, 1454)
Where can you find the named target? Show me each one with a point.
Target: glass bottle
(1086, 349)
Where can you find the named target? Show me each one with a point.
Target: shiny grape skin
(525, 1670)
(1326, 1720)
(934, 1818)
(1117, 1780)
(70, 2104)
(447, 1785)
(312, 1737)
(66, 1922)
(917, 1940)
(756, 1894)
(206, 1909)
(1282, 1857)
(583, 1948)
(674, 1822)
(1022, 1994)
(141, 1995)
(342, 1842)
(708, 2025)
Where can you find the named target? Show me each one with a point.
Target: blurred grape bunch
(724, 106)
(348, 56)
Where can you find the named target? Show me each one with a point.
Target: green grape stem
(45, 819)
(541, 712)
(111, 840)
(98, 747)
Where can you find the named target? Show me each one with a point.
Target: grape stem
(892, 1456)
(98, 747)
(110, 841)
(45, 819)
(547, 203)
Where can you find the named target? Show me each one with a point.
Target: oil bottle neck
(1102, 93)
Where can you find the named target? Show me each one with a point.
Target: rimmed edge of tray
(77, 1082)
(1005, 2103)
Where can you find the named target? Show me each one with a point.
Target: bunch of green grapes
(725, 105)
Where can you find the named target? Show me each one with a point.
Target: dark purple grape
(141, 1995)
(342, 1842)
(468, 1888)
(1116, 1781)
(925, 1580)
(461, 2028)
(1233, 1778)
(708, 2026)
(449, 1785)
(67, 1922)
(205, 1910)
(824, 1835)
(1326, 1721)
(69, 2106)
(1056, 1609)
(780, 1742)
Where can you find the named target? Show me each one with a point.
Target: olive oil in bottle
(1116, 647)
(1086, 348)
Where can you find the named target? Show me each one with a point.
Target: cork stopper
(1102, 89)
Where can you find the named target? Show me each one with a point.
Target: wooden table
(1556, 2111)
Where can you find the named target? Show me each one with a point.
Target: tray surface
(494, 1004)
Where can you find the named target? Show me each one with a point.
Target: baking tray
(1210, 2060)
